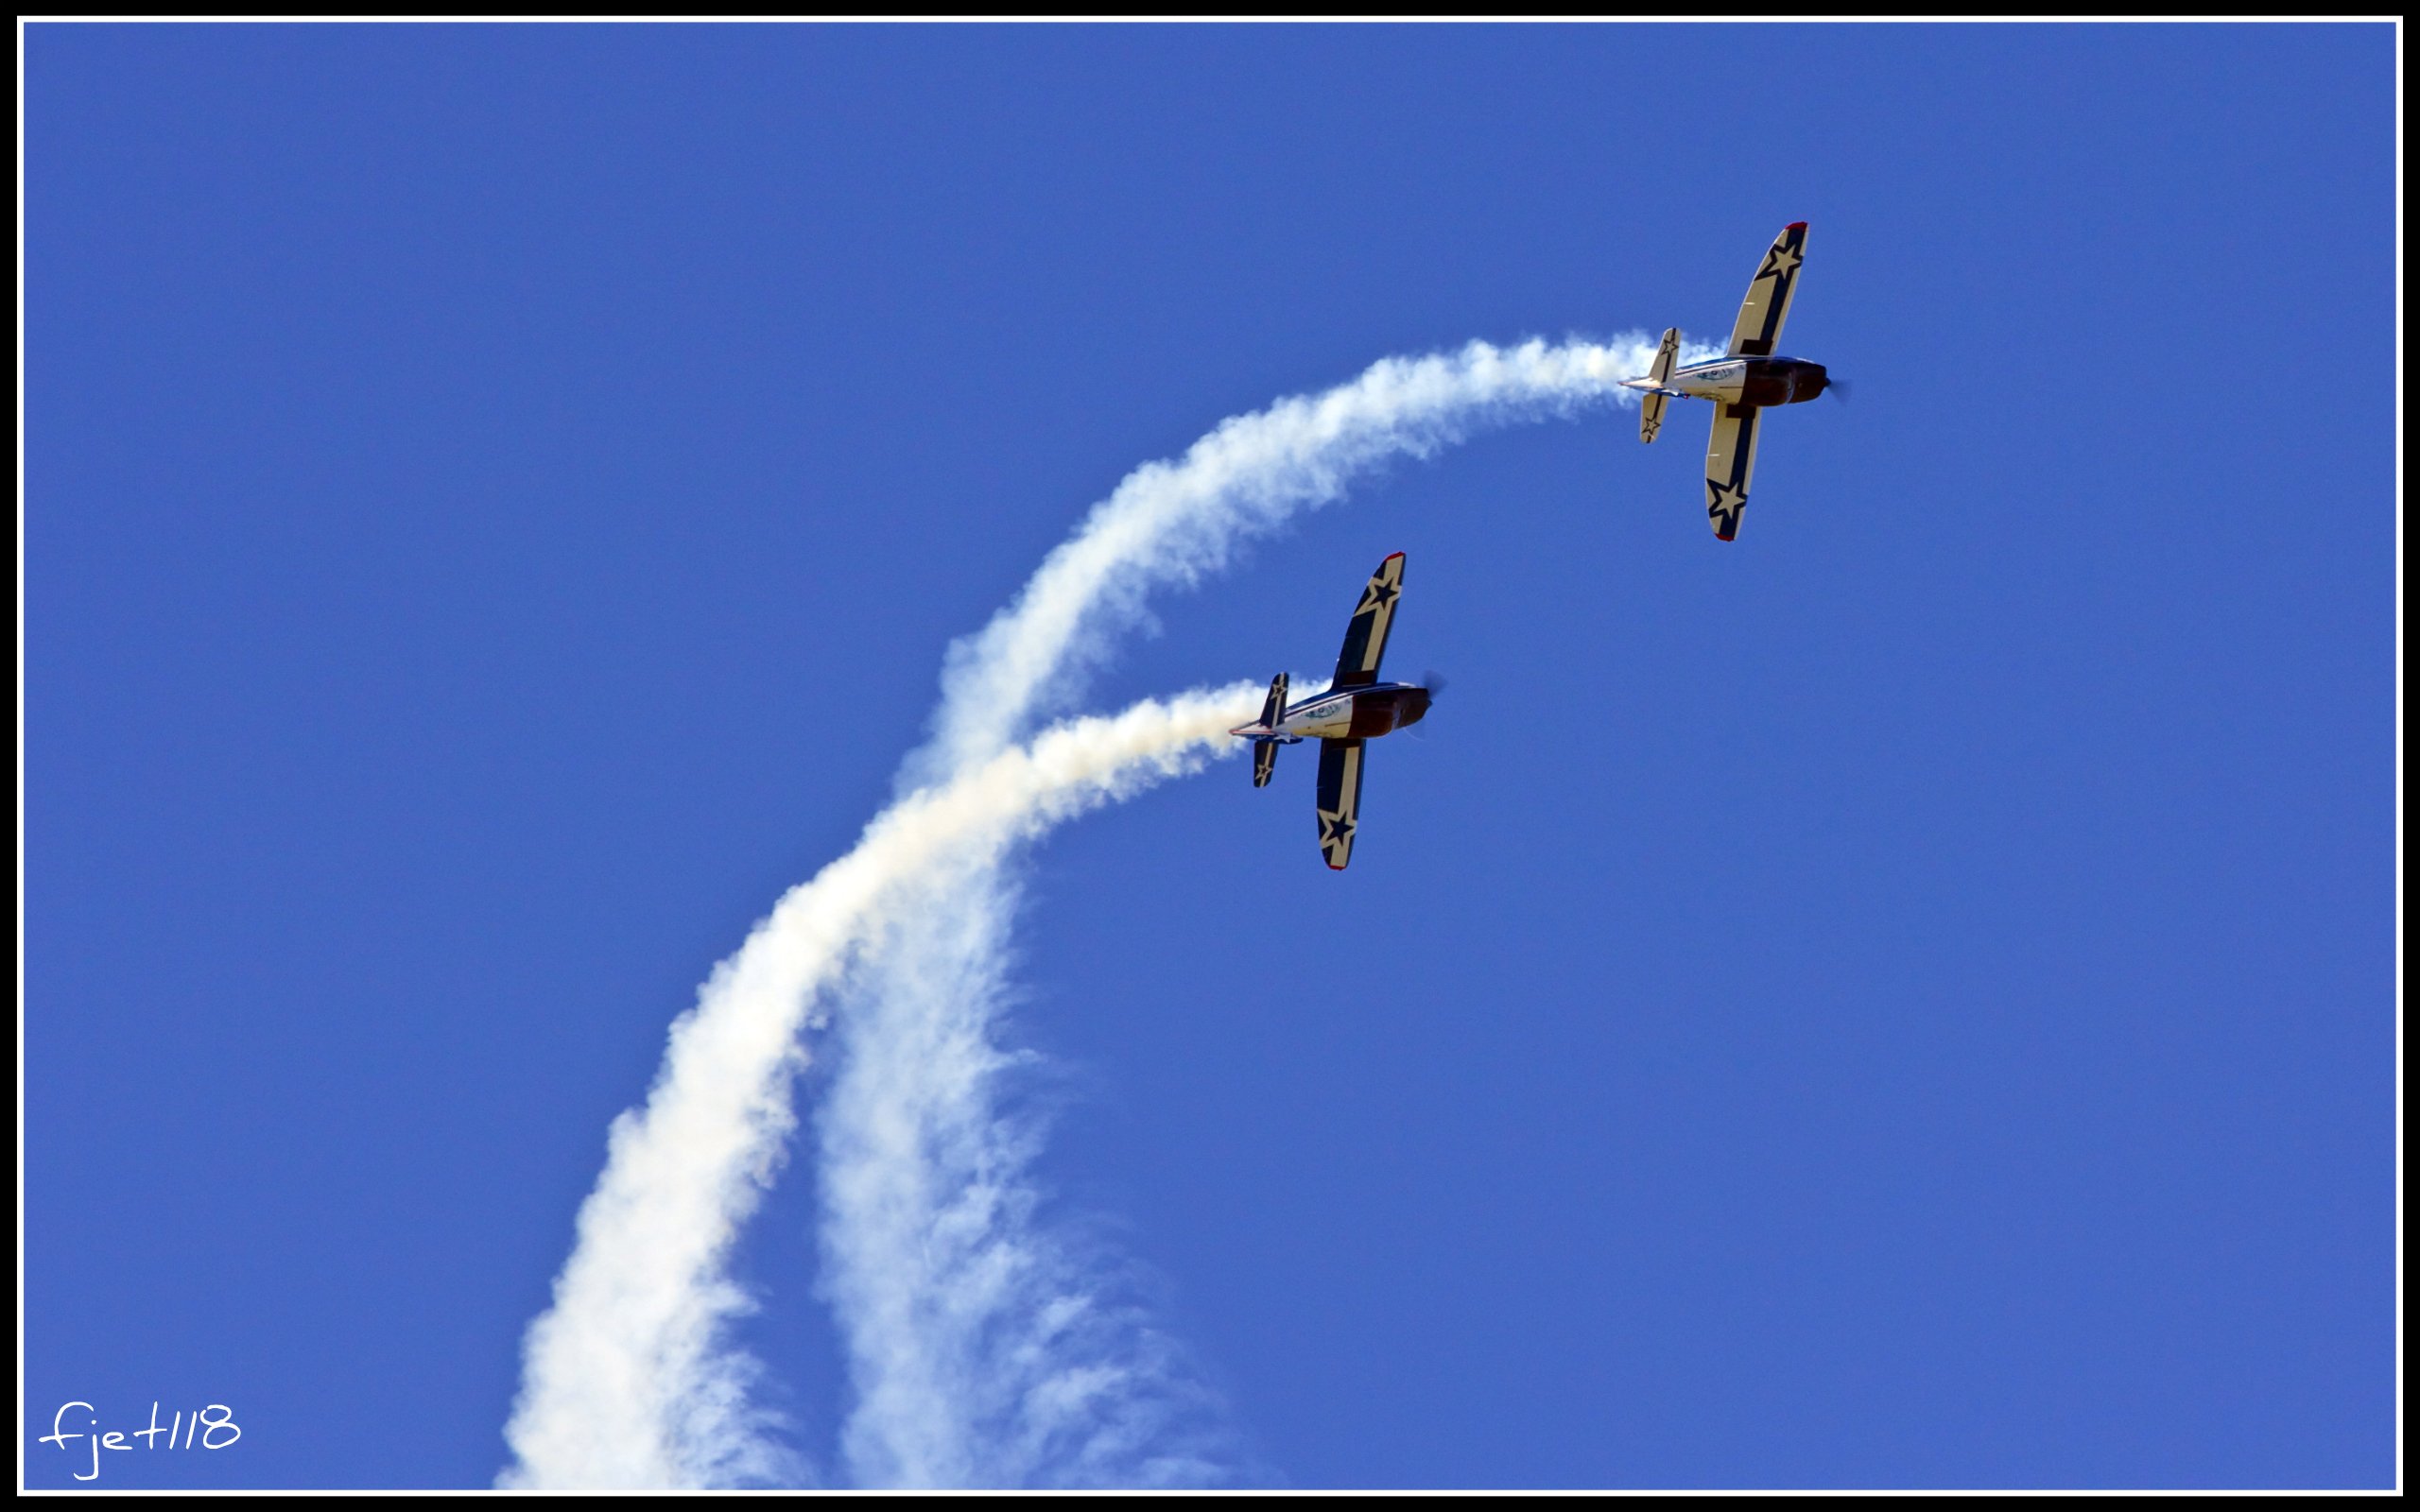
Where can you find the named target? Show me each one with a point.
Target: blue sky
(1908, 998)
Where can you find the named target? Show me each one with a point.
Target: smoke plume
(627, 1381)
(1174, 522)
(985, 1349)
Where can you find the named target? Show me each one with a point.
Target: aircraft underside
(1743, 384)
(1355, 708)
(1357, 715)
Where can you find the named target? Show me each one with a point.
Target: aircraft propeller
(1435, 684)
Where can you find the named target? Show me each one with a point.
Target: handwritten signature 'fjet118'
(1357, 707)
(1742, 384)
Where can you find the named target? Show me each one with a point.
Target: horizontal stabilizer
(1264, 737)
(1275, 709)
(1651, 403)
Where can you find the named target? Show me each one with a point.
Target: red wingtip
(1795, 225)
(1389, 556)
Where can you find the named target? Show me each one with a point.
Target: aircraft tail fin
(1264, 752)
(1651, 403)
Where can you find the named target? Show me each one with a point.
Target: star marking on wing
(1781, 262)
(1380, 595)
(1335, 829)
(1723, 503)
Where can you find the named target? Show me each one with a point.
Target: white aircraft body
(1357, 707)
(1742, 384)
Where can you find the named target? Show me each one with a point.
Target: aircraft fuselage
(1351, 714)
(1759, 381)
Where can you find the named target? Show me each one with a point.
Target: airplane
(1743, 384)
(1357, 707)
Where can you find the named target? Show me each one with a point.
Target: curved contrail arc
(1006, 1363)
(1176, 521)
(983, 1350)
(626, 1379)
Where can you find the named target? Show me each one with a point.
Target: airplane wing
(1365, 639)
(1339, 798)
(1768, 302)
(1729, 460)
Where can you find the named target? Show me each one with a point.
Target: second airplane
(1357, 707)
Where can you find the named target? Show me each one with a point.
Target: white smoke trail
(1176, 521)
(988, 1348)
(983, 1350)
(626, 1379)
